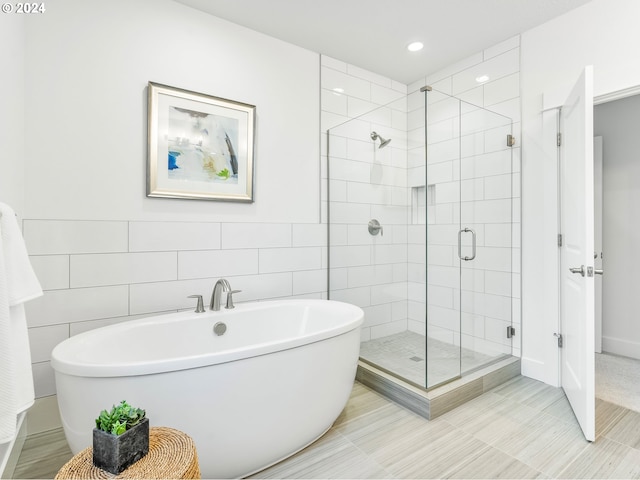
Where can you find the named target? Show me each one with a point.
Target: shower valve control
(375, 227)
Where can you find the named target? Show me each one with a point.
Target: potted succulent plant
(121, 437)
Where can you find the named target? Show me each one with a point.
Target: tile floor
(521, 429)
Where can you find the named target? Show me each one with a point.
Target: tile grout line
(466, 460)
(573, 460)
(552, 417)
(489, 446)
(613, 422)
(368, 456)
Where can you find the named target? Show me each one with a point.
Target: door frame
(598, 193)
(548, 370)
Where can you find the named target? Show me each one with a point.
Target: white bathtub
(272, 384)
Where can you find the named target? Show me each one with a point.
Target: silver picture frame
(199, 146)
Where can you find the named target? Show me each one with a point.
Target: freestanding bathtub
(273, 383)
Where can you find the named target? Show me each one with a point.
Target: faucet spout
(221, 285)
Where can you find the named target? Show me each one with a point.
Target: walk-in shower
(420, 235)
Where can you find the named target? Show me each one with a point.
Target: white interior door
(597, 245)
(577, 273)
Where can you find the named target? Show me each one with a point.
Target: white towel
(23, 284)
(18, 283)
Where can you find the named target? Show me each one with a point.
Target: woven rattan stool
(172, 454)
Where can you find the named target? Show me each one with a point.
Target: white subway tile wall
(163, 237)
(51, 237)
(94, 270)
(97, 273)
(366, 183)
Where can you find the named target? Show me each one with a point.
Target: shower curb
(433, 403)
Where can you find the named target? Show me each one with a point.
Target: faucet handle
(230, 298)
(200, 305)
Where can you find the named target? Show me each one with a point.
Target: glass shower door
(486, 219)
(468, 194)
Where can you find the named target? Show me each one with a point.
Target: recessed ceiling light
(415, 46)
(482, 78)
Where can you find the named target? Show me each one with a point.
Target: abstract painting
(200, 146)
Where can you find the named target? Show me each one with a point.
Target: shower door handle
(473, 244)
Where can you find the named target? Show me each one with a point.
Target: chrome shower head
(383, 142)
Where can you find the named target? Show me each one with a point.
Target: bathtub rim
(63, 365)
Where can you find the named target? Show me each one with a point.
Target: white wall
(12, 29)
(87, 68)
(602, 33)
(12, 156)
(617, 122)
(103, 251)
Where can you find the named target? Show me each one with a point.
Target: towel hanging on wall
(18, 284)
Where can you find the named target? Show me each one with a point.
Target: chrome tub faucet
(221, 285)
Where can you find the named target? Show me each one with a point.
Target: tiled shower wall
(367, 183)
(478, 306)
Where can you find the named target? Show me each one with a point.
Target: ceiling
(373, 34)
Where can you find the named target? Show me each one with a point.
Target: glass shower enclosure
(420, 214)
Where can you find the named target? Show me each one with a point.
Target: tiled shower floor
(405, 354)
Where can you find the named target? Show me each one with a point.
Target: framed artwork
(200, 146)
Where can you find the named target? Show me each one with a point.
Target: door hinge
(511, 331)
(559, 139)
(511, 140)
(559, 239)
(559, 337)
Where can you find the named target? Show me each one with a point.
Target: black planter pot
(114, 453)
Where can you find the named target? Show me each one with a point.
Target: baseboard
(44, 415)
(618, 346)
(10, 452)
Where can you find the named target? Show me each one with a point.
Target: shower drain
(416, 359)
